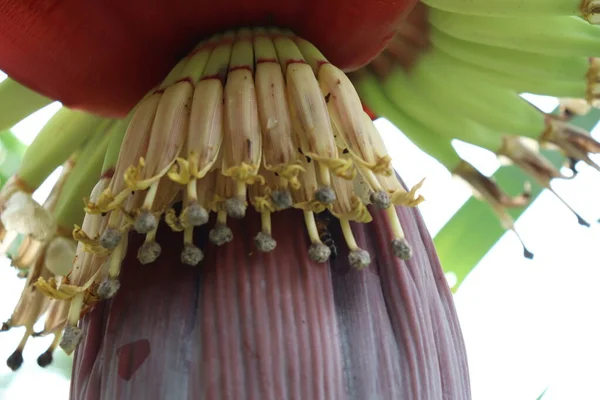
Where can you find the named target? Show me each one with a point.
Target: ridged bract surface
(247, 325)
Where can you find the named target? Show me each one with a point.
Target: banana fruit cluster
(465, 83)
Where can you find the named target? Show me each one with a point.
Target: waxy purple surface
(247, 325)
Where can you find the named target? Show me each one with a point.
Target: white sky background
(528, 325)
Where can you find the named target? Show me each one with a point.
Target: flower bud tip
(281, 198)
(196, 215)
(70, 339)
(145, 222)
(264, 242)
(235, 208)
(108, 288)
(325, 195)
(148, 252)
(401, 249)
(220, 235)
(191, 255)
(319, 253)
(110, 238)
(359, 259)
(380, 200)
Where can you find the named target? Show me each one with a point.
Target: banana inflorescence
(466, 85)
(259, 118)
(252, 118)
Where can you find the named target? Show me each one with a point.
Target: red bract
(103, 56)
(247, 325)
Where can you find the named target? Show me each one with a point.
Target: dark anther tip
(15, 360)
(527, 254)
(45, 359)
(583, 222)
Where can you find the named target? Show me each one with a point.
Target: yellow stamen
(357, 258)
(75, 309)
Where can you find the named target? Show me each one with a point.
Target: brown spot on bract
(131, 357)
(327, 97)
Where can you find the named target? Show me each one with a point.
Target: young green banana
(437, 146)
(441, 148)
(588, 9)
(66, 131)
(17, 102)
(409, 98)
(559, 36)
(116, 134)
(585, 87)
(439, 78)
(69, 208)
(512, 62)
(14, 151)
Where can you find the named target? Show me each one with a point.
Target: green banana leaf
(474, 229)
